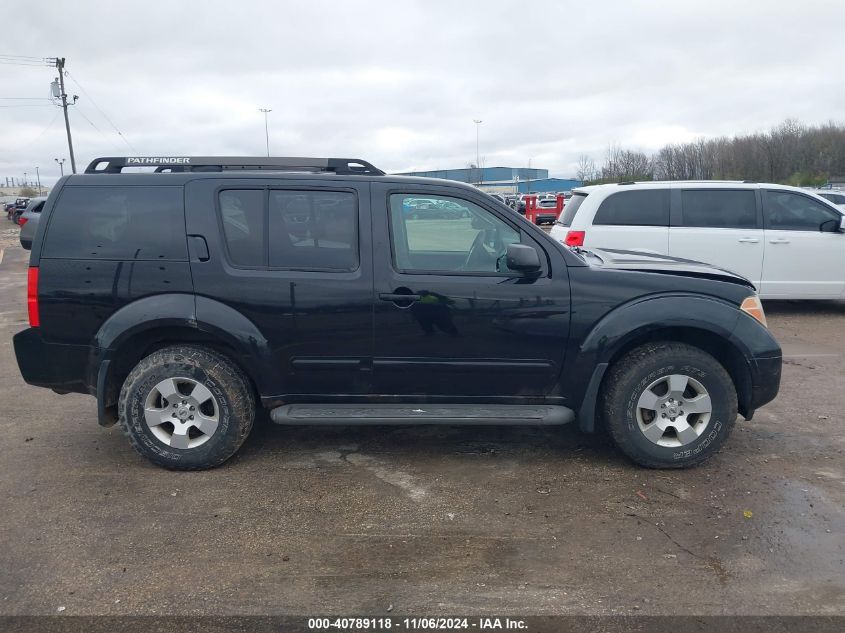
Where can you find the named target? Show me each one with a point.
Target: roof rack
(340, 166)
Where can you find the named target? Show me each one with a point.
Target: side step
(500, 414)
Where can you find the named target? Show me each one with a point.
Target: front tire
(668, 405)
(186, 408)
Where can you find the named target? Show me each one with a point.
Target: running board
(501, 414)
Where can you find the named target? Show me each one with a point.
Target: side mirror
(523, 258)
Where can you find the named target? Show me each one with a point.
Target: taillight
(22, 220)
(32, 296)
(575, 238)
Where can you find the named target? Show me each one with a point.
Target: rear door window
(290, 229)
(719, 208)
(646, 207)
(127, 223)
(242, 213)
(315, 230)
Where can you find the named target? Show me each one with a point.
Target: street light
(38, 179)
(61, 165)
(266, 129)
(478, 123)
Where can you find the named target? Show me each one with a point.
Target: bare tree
(587, 171)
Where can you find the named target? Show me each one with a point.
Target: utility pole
(60, 64)
(266, 129)
(478, 123)
(38, 179)
(25, 183)
(61, 165)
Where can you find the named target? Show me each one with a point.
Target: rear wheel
(669, 405)
(186, 408)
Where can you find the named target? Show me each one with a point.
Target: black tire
(228, 385)
(629, 377)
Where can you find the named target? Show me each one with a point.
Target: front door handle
(779, 240)
(748, 240)
(398, 298)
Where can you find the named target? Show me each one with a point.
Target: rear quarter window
(129, 223)
(570, 208)
(646, 207)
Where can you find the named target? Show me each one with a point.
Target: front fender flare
(637, 320)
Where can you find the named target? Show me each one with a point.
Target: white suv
(789, 242)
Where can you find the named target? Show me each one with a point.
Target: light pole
(61, 165)
(478, 123)
(266, 129)
(38, 179)
(528, 184)
(25, 184)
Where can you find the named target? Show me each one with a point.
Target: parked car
(546, 210)
(787, 241)
(29, 220)
(182, 301)
(831, 195)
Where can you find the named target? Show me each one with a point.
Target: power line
(91, 123)
(100, 110)
(23, 57)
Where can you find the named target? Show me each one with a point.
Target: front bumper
(765, 376)
(53, 365)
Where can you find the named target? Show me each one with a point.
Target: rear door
(469, 327)
(722, 227)
(634, 219)
(294, 257)
(804, 254)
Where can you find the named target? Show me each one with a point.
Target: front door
(451, 320)
(804, 254)
(294, 259)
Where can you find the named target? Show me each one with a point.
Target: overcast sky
(399, 83)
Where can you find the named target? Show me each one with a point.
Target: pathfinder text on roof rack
(338, 166)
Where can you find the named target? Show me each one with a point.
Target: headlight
(752, 306)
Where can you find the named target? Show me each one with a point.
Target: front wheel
(668, 405)
(186, 408)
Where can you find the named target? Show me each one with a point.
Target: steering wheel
(478, 259)
(476, 252)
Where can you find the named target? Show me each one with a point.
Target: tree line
(790, 153)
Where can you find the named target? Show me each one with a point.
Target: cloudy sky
(399, 82)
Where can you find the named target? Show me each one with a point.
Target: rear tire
(644, 398)
(186, 408)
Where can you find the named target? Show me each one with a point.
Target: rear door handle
(779, 241)
(749, 240)
(198, 247)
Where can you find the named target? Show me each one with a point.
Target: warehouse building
(502, 179)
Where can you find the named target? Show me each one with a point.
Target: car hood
(643, 261)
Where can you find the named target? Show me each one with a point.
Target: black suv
(183, 298)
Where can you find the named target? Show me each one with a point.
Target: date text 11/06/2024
(416, 624)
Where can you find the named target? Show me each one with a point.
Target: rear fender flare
(220, 322)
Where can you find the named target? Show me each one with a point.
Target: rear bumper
(43, 364)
